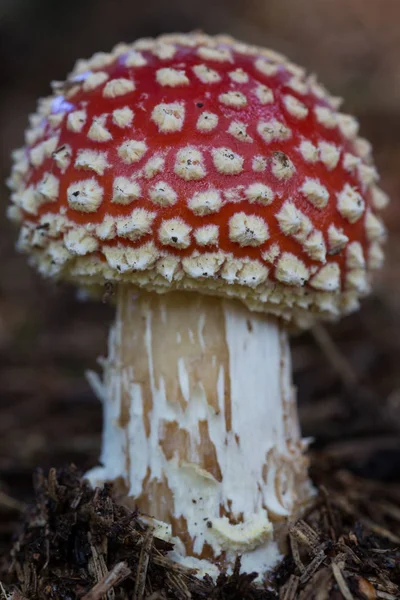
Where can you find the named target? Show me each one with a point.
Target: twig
(167, 563)
(98, 567)
(295, 552)
(143, 564)
(340, 580)
(312, 567)
(117, 574)
(305, 534)
(52, 484)
(3, 592)
(179, 586)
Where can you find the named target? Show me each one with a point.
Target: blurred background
(348, 375)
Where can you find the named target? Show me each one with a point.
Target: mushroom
(226, 199)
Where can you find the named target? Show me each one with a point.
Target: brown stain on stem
(174, 441)
(208, 452)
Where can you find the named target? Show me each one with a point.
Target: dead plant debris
(77, 543)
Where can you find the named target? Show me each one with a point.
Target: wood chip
(312, 567)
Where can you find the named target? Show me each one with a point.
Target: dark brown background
(48, 414)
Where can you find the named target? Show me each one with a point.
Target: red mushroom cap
(201, 163)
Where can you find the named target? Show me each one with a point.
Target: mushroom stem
(200, 423)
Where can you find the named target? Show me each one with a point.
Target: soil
(76, 542)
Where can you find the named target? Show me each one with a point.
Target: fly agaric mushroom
(221, 191)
